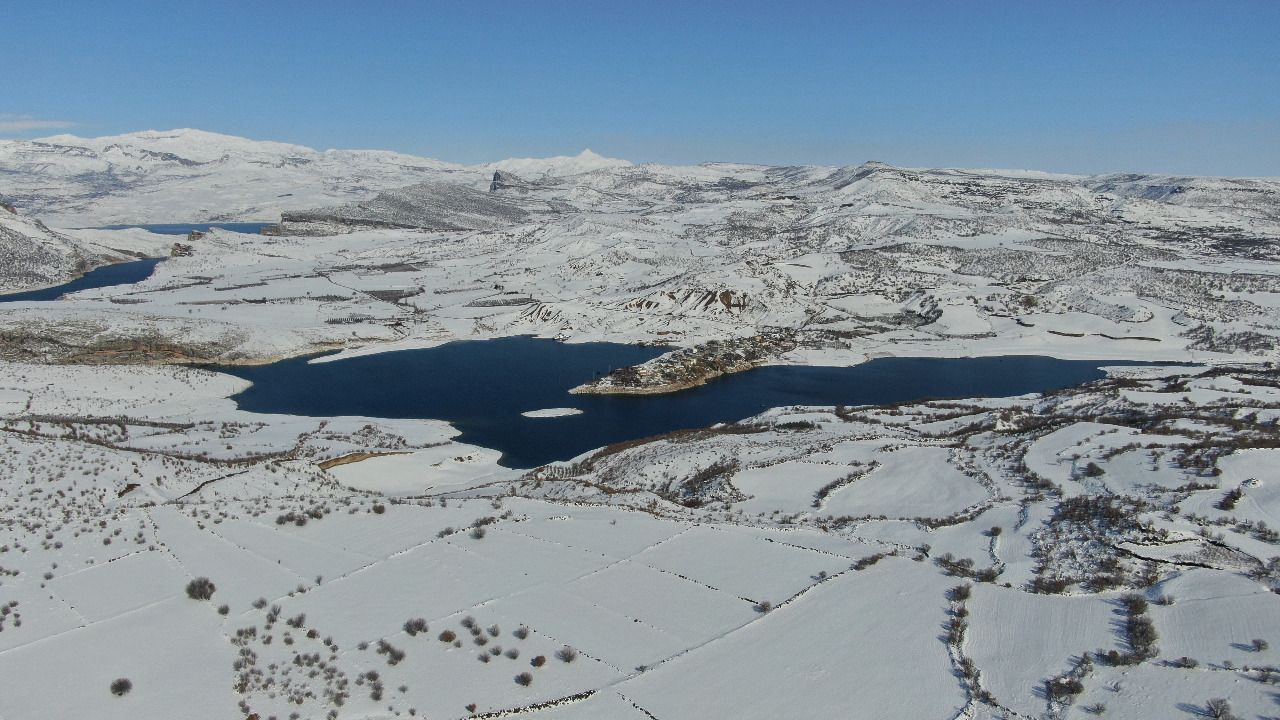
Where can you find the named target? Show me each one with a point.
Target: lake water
(125, 273)
(483, 387)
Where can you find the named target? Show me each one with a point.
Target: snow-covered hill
(32, 255)
(187, 175)
(836, 264)
(191, 176)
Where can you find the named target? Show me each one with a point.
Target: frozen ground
(934, 560)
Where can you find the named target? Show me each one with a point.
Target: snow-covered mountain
(829, 264)
(560, 165)
(191, 176)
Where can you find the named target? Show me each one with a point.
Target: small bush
(1259, 645)
(538, 660)
(201, 588)
(524, 679)
(1229, 500)
(494, 631)
(121, 686)
(1185, 662)
(1219, 709)
(513, 653)
(1063, 687)
(468, 622)
(763, 606)
(521, 633)
(415, 626)
(379, 508)
(394, 655)
(477, 533)
(483, 657)
(567, 654)
(224, 609)
(1134, 604)
(448, 636)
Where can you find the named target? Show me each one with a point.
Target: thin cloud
(16, 122)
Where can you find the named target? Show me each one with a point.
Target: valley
(579, 438)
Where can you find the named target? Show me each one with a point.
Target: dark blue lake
(125, 273)
(482, 387)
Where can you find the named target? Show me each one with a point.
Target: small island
(551, 413)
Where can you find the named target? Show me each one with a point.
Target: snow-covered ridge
(586, 161)
(188, 175)
(851, 261)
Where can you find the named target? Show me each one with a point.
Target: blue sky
(1172, 86)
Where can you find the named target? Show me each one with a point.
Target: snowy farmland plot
(1016, 564)
(1109, 549)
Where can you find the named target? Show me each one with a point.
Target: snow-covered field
(1102, 551)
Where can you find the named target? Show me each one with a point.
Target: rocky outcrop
(33, 256)
(690, 367)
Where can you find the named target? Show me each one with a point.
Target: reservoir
(483, 387)
(125, 273)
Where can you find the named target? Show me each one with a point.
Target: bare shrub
(201, 588)
(121, 686)
(524, 679)
(1219, 709)
(567, 654)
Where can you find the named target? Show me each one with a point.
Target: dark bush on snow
(201, 588)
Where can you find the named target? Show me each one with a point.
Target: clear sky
(1170, 86)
